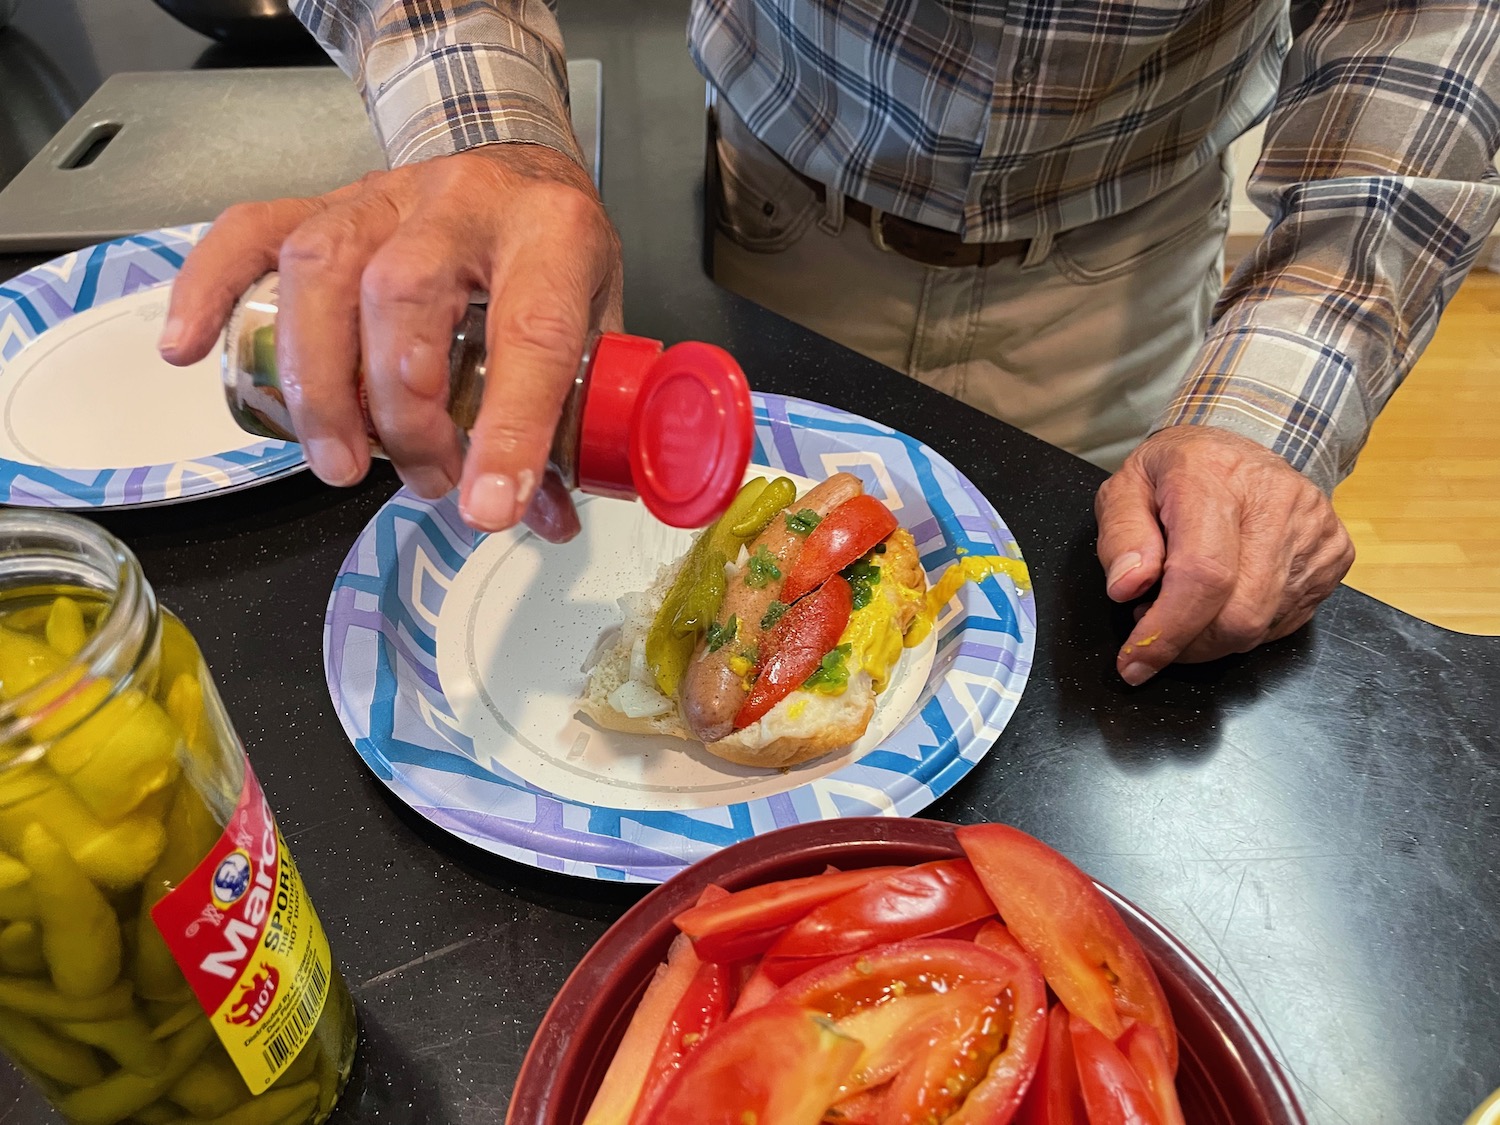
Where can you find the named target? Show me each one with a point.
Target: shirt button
(1025, 72)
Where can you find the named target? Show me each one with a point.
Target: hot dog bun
(622, 694)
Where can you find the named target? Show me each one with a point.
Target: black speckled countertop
(1316, 820)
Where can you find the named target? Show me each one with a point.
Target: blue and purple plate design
(90, 416)
(515, 627)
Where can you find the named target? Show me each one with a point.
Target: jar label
(243, 931)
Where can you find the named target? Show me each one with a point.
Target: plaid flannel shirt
(1007, 119)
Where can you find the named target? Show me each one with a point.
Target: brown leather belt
(918, 241)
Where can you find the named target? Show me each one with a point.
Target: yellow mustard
(874, 639)
(971, 568)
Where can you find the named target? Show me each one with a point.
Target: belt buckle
(877, 230)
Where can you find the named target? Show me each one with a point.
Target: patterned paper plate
(454, 661)
(90, 415)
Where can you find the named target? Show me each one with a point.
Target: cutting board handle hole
(90, 145)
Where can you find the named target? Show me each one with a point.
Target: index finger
(540, 316)
(1202, 532)
(241, 246)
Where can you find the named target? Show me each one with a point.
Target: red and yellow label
(244, 934)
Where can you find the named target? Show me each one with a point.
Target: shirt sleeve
(441, 76)
(1378, 176)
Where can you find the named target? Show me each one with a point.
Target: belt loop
(877, 233)
(1037, 250)
(832, 221)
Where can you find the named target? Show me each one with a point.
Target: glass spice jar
(159, 957)
(673, 426)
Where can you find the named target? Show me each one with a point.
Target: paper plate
(454, 661)
(90, 415)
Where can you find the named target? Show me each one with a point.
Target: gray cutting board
(166, 148)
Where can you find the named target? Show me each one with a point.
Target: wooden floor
(1423, 504)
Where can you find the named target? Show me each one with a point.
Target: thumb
(1131, 549)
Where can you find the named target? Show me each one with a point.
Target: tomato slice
(845, 533)
(796, 645)
(778, 1065)
(1142, 1046)
(997, 1099)
(900, 1029)
(994, 935)
(1089, 957)
(1113, 1093)
(621, 1087)
(863, 1108)
(974, 1063)
(910, 903)
(747, 922)
(1054, 1097)
(946, 1022)
(703, 1007)
(756, 992)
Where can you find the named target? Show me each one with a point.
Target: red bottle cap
(673, 427)
(693, 430)
(616, 374)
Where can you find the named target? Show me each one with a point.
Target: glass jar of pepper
(159, 957)
(673, 426)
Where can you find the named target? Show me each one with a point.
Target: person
(1021, 203)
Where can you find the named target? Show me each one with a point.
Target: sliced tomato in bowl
(1054, 1097)
(1087, 954)
(778, 1065)
(703, 1007)
(863, 1108)
(1142, 1046)
(1227, 1078)
(947, 1023)
(993, 935)
(620, 1090)
(748, 922)
(910, 902)
(1113, 1093)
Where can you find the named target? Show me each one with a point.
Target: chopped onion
(602, 645)
(638, 700)
(639, 670)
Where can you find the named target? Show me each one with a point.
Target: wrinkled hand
(377, 275)
(1244, 546)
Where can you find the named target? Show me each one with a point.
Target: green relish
(761, 568)
(832, 672)
(803, 522)
(863, 577)
(774, 613)
(720, 635)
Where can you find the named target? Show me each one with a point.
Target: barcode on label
(287, 1042)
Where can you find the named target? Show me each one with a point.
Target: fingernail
(525, 486)
(1130, 560)
(331, 460)
(428, 481)
(171, 335)
(491, 503)
(1135, 674)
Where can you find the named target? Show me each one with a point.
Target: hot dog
(713, 690)
(713, 652)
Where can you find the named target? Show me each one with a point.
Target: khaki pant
(1081, 344)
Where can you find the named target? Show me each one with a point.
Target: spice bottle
(159, 957)
(673, 426)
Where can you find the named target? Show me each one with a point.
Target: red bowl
(1226, 1075)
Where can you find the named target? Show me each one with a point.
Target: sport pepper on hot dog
(770, 639)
